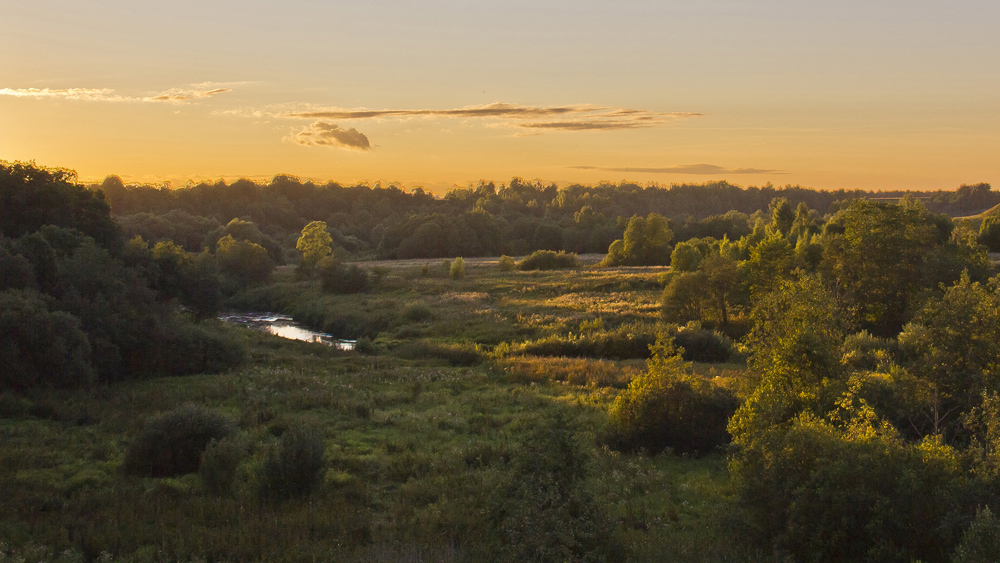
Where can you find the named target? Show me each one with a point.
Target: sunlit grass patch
(576, 371)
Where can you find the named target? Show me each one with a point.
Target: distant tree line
(513, 218)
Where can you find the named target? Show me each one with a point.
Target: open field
(430, 435)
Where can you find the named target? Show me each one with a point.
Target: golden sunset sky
(879, 94)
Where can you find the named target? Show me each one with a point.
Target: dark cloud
(322, 133)
(683, 169)
(561, 118)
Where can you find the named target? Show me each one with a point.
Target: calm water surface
(285, 327)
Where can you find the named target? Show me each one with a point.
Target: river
(285, 327)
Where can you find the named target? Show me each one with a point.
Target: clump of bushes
(549, 260)
(219, 463)
(668, 407)
(457, 269)
(506, 263)
(577, 371)
(418, 312)
(335, 277)
(172, 443)
(629, 341)
(540, 509)
(702, 344)
(464, 354)
(296, 465)
(207, 347)
(866, 351)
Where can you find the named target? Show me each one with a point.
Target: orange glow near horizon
(893, 96)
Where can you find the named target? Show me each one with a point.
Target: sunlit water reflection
(284, 327)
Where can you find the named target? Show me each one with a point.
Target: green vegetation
(549, 260)
(799, 387)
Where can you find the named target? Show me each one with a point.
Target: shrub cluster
(335, 277)
(625, 342)
(172, 443)
(296, 466)
(464, 354)
(668, 407)
(549, 260)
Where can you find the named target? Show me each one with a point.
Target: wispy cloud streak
(174, 95)
(708, 169)
(581, 117)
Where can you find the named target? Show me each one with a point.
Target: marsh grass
(413, 448)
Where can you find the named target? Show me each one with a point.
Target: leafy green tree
(32, 196)
(877, 260)
(685, 258)
(770, 262)
(803, 226)
(684, 297)
(16, 271)
(981, 542)
(953, 346)
(847, 489)
(40, 346)
(668, 407)
(242, 261)
(314, 244)
(989, 233)
(795, 364)
(782, 216)
(646, 242)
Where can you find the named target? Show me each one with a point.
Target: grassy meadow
(459, 430)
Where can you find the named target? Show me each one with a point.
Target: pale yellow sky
(884, 95)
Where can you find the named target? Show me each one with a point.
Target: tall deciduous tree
(314, 244)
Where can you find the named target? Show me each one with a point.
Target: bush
(172, 443)
(668, 407)
(465, 354)
(296, 466)
(418, 312)
(981, 542)
(540, 509)
(506, 263)
(337, 278)
(549, 260)
(219, 463)
(457, 270)
(207, 347)
(625, 342)
(703, 345)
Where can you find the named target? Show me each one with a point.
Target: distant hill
(995, 210)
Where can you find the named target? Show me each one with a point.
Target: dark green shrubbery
(39, 346)
(668, 407)
(464, 354)
(539, 508)
(703, 345)
(335, 277)
(296, 465)
(418, 312)
(220, 462)
(172, 443)
(206, 347)
(549, 260)
(629, 341)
